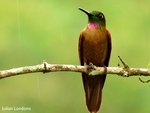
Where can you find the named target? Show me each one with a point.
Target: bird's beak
(86, 12)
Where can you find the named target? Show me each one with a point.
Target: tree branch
(45, 67)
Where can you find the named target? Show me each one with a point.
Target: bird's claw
(90, 67)
(85, 64)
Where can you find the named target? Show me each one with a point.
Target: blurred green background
(35, 30)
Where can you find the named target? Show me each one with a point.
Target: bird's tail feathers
(93, 91)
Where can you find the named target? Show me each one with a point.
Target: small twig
(124, 64)
(147, 81)
(126, 68)
(44, 71)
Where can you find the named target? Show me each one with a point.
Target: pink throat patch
(93, 25)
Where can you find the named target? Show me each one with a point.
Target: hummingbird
(94, 47)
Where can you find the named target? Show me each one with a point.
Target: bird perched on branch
(94, 47)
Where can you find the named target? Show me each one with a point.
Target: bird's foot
(85, 64)
(90, 67)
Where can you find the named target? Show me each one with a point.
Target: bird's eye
(100, 16)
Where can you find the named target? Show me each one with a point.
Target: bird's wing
(109, 45)
(80, 47)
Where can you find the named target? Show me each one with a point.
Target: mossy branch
(91, 70)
